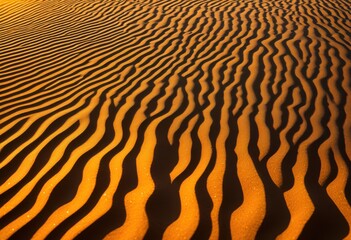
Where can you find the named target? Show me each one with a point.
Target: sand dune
(175, 119)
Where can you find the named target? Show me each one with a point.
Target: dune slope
(177, 119)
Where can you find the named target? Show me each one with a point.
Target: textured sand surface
(177, 119)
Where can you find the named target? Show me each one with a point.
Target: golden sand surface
(177, 119)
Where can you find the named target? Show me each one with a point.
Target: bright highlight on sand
(180, 119)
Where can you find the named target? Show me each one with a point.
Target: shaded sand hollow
(175, 119)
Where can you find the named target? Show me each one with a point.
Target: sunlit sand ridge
(175, 119)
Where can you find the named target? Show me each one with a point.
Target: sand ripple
(175, 119)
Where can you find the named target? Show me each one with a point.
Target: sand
(175, 119)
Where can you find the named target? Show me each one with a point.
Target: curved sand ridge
(175, 119)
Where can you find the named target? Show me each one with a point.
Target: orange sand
(175, 119)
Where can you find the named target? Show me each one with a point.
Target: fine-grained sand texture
(175, 119)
